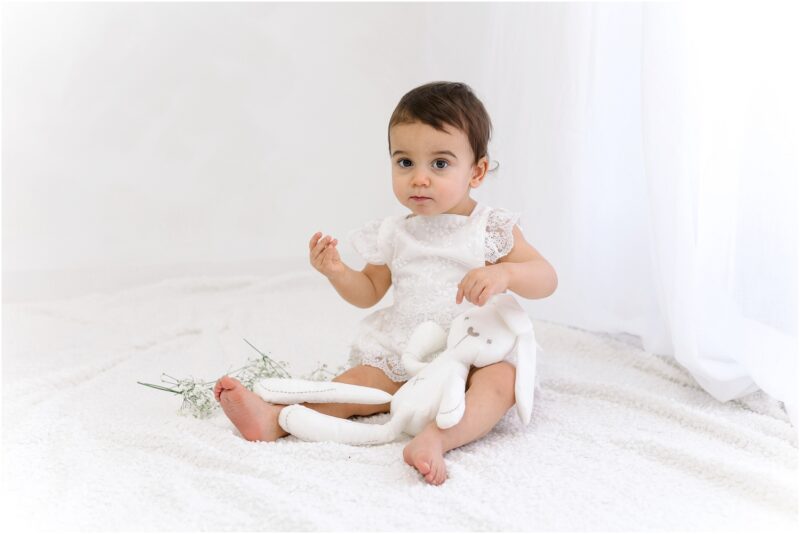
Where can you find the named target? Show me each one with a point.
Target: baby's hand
(478, 285)
(324, 256)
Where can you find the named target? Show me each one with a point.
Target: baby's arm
(523, 270)
(360, 288)
(530, 274)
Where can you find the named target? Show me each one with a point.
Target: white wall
(146, 135)
(148, 140)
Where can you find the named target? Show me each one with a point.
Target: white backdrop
(651, 149)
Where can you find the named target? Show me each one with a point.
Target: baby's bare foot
(424, 453)
(256, 419)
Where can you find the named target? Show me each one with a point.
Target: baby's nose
(420, 179)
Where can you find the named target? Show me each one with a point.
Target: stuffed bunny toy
(480, 336)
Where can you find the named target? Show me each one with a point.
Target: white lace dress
(428, 256)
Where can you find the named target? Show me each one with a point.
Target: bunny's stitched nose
(470, 332)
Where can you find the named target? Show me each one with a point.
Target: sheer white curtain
(654, 156)
(720, 136)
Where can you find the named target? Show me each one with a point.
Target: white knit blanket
(620, 439)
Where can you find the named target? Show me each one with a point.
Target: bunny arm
(452, 405)
(427, 338)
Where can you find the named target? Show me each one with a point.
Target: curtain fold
(724, 231)
(654, 158)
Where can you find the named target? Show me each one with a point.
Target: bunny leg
(451, 407)
(360, 375)
(310, 425)
(293, 391)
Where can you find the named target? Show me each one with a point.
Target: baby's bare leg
(257, 420)
(490, 393)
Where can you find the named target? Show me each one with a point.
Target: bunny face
(480, 336)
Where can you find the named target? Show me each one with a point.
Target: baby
(449, 253)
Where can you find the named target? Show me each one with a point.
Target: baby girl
(449, 253)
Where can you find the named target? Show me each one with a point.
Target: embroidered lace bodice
(428, 256)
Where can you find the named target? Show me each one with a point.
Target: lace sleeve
(370, 241)
(499, 236)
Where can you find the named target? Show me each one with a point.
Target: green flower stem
(269, 360)
(162, 388)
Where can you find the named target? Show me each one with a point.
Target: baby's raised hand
(324, 256)
(478, 285)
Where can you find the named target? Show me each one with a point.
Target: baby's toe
(442, 475)
(228, 383)
(435, 473)
(439, 478)
(423, 467)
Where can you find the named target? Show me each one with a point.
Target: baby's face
(433, 171)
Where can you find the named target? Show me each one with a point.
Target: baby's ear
(479, 171)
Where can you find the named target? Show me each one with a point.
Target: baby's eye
(441, 161)
(489, 341)
(400, 162)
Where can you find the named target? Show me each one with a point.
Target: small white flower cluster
(321, 373)
(198, 396)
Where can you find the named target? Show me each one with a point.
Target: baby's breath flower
(198, 396)
(198, 399)
(322, 373)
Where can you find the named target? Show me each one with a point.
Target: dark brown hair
(452, 103)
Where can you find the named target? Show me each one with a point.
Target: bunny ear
(525, 376)
(513, 314)
(518, 322)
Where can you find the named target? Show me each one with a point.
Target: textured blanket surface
(620, 438)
